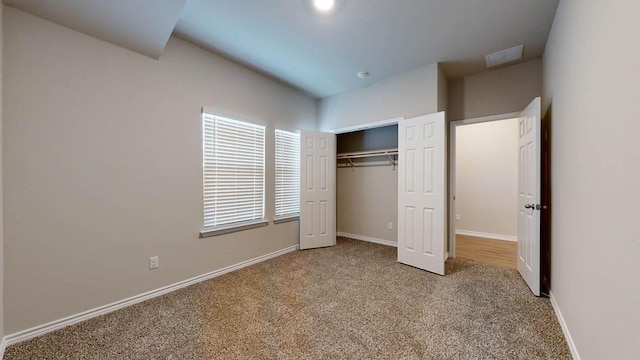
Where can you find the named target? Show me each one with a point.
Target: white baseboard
(3, 345)
(565, 328)
(368, 238)
(487, 235)
(74, 319)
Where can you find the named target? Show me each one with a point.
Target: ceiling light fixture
(324, 5)
(363, 74)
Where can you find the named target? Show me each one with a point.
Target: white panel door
(422, 192)
(529, 196)
(317, 190)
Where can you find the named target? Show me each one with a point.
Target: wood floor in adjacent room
(488, 251)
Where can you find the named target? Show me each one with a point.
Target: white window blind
(287, 174)
(233, 171)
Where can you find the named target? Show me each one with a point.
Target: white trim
(481, 119)
(367, 164)
(287, 128)
(221, 230)
(85, 315)
(284, 219)
(368, 239)
(3, 346)
(565, 328)
(487, 235)
(366, 126)
(233, 116)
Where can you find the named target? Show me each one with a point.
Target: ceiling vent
(504, 56)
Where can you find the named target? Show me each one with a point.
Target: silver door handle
(535, 206)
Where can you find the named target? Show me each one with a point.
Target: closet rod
(365, 154)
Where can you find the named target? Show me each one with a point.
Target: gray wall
(103, 167)
(368, 196)
(367, 201)
(499, 91)
(443, 91)
(385, 137)
(591, 78)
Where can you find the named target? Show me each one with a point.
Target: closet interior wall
(367, 193)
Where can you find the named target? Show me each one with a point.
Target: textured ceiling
(318, 53)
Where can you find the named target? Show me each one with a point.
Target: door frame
(452, 169)
(367, 126)
(355, 128)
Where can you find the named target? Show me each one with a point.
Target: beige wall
(407, 95)
(487, 177)
(591, 78)
(499, 91)
(103, 167)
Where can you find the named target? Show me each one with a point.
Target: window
(233, 174)
(287, 174)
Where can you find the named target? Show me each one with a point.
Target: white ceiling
(318, 53)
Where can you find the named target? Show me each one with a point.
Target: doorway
(367, 182)
(484, 189)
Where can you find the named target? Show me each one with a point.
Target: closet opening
(367, 183)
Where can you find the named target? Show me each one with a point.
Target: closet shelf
(389, 153)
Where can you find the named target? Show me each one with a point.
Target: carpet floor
(351, 301)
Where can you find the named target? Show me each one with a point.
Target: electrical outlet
(154, 262)
(390, 226)
(457, 217)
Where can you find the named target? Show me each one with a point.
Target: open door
(422, 192)
(317, 190)
(529, 196)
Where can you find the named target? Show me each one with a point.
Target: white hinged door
(529, 206)
(422, 192)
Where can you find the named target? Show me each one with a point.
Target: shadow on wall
(385, 137)
(463, 68)
(380, 138)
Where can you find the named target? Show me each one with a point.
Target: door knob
(535, 206)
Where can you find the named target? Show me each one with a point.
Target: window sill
(285, 219)
(232, 228)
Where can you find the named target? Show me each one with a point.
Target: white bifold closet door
(317, 190)
(422, 189)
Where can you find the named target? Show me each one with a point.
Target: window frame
(210, 122)
(289, 216)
